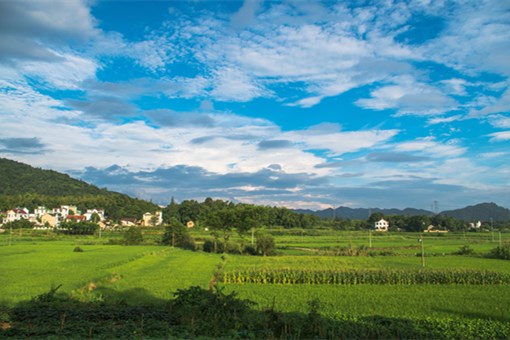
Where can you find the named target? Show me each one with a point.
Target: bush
(209, 312)
(208, 246)
(133, 236)
(177, 235)
(78, 250)
(250, 250)
(464, 250)
(502, 252)
(266, 245)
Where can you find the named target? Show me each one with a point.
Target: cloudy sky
(295, 103)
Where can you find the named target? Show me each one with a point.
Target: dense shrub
(133, 236)
(78, 250)
(177, 235)
(265, 245)
(250, 250)
(501, 252)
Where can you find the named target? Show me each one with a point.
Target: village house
(128, 222)
(40, 211)
(432, 229)
(151, 220)
(476, 225)
(16, 214)
(54, 217)
(75, 218)
(381, 225)
(65, 210)
(51, 220)
(90, 212)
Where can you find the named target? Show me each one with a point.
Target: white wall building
(381, 225)
(90, 212)
(17, 214)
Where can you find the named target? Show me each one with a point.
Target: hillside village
(44, 218)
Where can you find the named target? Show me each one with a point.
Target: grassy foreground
(137, 282)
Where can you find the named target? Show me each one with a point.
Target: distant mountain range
(479, 212)
(24, 185)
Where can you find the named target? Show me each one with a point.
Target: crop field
(131, 273)
(150, 273)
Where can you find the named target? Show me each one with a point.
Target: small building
(65, 210)
(476, 225)
(152, 220)
(128, 222)
(16, 214)
(381, 225)
(90, 212)
(52, 220)
(40, 211)
(75, 218)
(432, 229)
(190, 224)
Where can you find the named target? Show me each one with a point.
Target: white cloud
(455, 86)
(27, 27)
(231, 84)
(68, 73)
(500, 121)
(338, 142)
(476, 38)
(429, 146)
(500, 136)
(439, 120)
(493, 105)
(409, 98)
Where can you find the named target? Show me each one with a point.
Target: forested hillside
(480, 212)
(26, 186)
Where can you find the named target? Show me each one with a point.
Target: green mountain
(480, 212)
(363, 213)
(25, 186)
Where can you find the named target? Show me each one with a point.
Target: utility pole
(500, 242)
(10, 235)
(370, 238)
(492, 230)
(252, 236)
(422, 252)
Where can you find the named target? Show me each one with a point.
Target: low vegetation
(355, 277)
(196, 312)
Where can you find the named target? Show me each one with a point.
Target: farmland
(151, 274)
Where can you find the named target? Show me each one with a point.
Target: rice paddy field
(33, 263)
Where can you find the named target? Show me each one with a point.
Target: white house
(476, 225)
(16, 214)
(65, 210)
(90, 212)
(40, 211)
(381, 225)
(150, 220)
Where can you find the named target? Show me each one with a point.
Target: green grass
(151, 273)
(236, 263)
(418, 301)
(159, 275)
(32, 268)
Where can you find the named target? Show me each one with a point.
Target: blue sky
(304, 104)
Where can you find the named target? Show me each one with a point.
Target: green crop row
(353, 277)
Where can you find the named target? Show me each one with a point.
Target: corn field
(354, 277)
